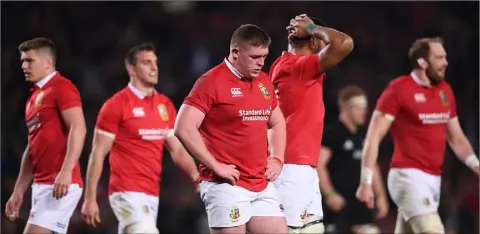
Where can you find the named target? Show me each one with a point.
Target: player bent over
(56, 133)
(339, 162)
(223, 123)
(134, 125)
(298, 76)
(419, 109)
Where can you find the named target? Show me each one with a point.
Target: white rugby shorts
(232, 206)
(131, 207)
(299, 192)
(414, 192)
(50, 213)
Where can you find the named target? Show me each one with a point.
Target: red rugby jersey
(235, 125)
(420, 122)
(47, 133)
(299, 89)
(140, 125)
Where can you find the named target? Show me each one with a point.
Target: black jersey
(345, 161)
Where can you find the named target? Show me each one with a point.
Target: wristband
(366, 176)
(278, 159)
(329, 193)
(310, 28)
(472, 161)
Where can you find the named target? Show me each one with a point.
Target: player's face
(34, 65)
(251, 60)
(358, 114)
(146, 68)
(437, 62)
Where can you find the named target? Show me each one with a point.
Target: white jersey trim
(170, 133)
(105, 133)
(389, 117)
(453, 119)
(45, 80)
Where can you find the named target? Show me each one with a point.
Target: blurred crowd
(191, 37)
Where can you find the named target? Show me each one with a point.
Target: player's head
(352, 102)
(429, 55)
(248, 49)
(38, 58)
(141, 62)
(313, 44)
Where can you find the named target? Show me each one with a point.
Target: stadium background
(92, 38)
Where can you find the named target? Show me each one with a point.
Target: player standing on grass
(339, 164)
(223, 123)
(134, 125)
(420, 111)
(298, 77)
(56, 133)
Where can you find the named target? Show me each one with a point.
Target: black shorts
(354, 213)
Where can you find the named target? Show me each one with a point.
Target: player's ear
(235, 53)
(422, 63)
(312, 43)
(130, 69)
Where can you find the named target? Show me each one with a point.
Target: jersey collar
(45, 80)
(233, 69)
(417, 80)
(136, 91)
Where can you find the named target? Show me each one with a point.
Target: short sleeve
(453, 104)
(309, 67)
(202, 95)
(68, 97)
(389, 102)
(271, 90)
(172, 114)
(109, 118)
(328, 138)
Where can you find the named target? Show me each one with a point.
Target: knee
(428, 223)
(149, 227)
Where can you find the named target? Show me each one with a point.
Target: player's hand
(91, 213)
(382, 208)
(298, 26)
(12, 209)
(365, 194)
(274, 168)
(62, 183)
(228, 172)
(335, 202)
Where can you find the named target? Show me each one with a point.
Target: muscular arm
(186, 130)
(379, 126)
(180, 157)
(338, 46)
(277, 134)
(75, 122)
(326, 185)
(26, 173)
(102, 143)
(460, 144)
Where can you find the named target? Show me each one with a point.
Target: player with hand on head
(298, 76)
(223, 123)
(134, 125)
(420, 112)
(339, 162)
(56, 134)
